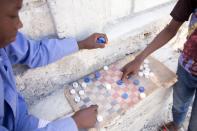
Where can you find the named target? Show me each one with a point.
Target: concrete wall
(125, 22)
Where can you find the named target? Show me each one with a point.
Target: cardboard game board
(121, 96)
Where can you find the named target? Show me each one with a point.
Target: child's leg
(193, 119)
(183, 93)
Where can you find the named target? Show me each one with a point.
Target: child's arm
(160, 40)
(39, 53)
(84, 118)
(180, 14)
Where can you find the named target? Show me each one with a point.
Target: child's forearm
(161, 39)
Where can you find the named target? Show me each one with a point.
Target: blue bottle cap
(120, 82)
(136, 82)
(125, 95)
(86, 79)
(101, 40)
(97, 75)
(141, 89)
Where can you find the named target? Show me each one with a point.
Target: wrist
(140, 58)
(80, 44)
(76, 121)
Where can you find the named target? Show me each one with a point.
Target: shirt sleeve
(3, 128)
(66, 124)
(183, 10)
(41, 52)
(27, 122)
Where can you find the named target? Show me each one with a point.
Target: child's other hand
(91, 42)
(86, 118)
(131, 68)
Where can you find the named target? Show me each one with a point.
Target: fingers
(97, 35)
(124, 75)
(90, 113)
(99, 45)
(106, 38)
(101, 35)
(94, 108)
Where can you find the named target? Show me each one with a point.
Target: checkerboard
(112, 103)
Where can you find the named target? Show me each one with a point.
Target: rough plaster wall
(95, 16)
(141, 5)
(81, 18)
(37, 20)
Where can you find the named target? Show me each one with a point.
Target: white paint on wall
(36, 19)
(81, 18)
(141, 5)
(136, 22)
(118, 9)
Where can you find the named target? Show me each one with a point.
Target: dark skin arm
(160, 40)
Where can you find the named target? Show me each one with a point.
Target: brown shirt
(181, 12)
(183, 9)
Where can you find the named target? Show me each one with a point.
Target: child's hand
(131, 68)
(86, 118)
(91, 42)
